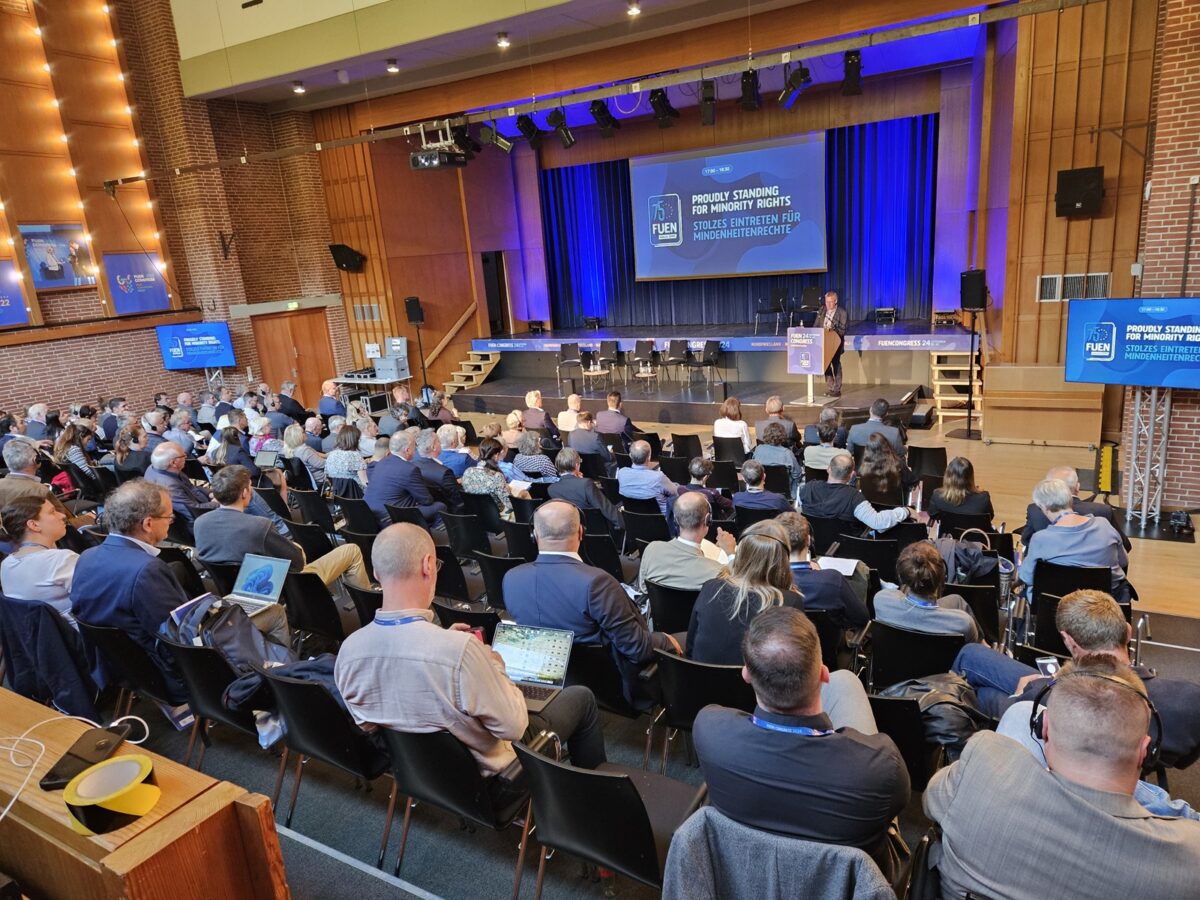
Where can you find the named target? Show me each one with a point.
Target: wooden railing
(468, 313)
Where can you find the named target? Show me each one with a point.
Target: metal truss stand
(1147, 465)
(215, 379)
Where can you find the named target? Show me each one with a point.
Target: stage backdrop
(879, 198)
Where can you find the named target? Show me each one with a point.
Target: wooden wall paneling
(955, 195)
(533, 300)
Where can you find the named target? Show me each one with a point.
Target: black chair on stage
(612, 357)
(707, 361)
(776, 307)
(689, 686)
(670, 608)
(677, 355)
(644, 355)
(568, 356)
(686, 446)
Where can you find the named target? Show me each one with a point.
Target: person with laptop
(403, 671)
(227, 534)
(559, 590)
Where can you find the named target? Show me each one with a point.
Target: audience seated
(224, 404)
(116, 410)
(831, 416)
(612, 421)
(700, 469)
(824, 590)
(918, 603)
(166, 471)
(37, 569)
(329, 404)
(129, 453)
(774, 410)
(71, 447)
(35, 422)
(289, 406)
(345, 460)
(1012, 827)
(836, 499)
(860, 433)
(1073, 539)
(451, 453)
(568, 417)
(329, 442)
(514, 427)
(690, 560)
(958, 494)
(883, 473)
(122, 583)
(583, 492)
(406, 673)
(529, 459)
(584, 439)
(182, 430)
(809, 762)
(758, 578)
(1035, 518)
(486, 478)
(21, 458)
(229, 449)
(155, 423)
(441, 409)
(818, 456)
(396, 481)
(560, 591)
(755, 496)
(536, 417)
(732, 425)
(772, 451)
(438, 477)
(297, 446)
(641, 481)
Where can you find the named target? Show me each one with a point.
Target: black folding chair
(724, 475)
(956, 523)
(601, 552)
(593, 666)
(689, 686)
(825, 533)
(314, 509)
(898, 654)
(1059, 580)
(900, 719)
(409, 514)
(524, 508)
(358, 515)
(130, 665)
(485, 511)
(707, 361)
(645, 527)
(686, 446)
(614, 816)
(311, 609)
(731, 449)
(623, 460)
(592, 465)
(677, 355)
(467, 535)
(745, 516)
(878, 553)
(494, 568)
(612, 490)
(831, 636)
(927, 461)
(651, 438)
(670, 608)
(568, 356)
(182, 568)
(313, 539)
(779, 480)
(641, 505)
(676, 468)
(983, 600)
(206, 674)
(366, 603)
(223, 576)
(366, 545)
(451, 582)
(473, 615)
(811, 474)
(519, 538)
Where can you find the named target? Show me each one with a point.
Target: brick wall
(1174, 159)
(277, 211)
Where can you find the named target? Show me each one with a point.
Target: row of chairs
(610, 356)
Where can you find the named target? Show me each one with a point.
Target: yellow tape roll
(111, 794)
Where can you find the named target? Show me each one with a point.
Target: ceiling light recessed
(393, 67)
(502, 40)
(297, 87)
(634, 8)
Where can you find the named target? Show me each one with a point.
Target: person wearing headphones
(689, 560)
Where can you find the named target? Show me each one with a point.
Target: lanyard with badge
(791, 729)
(390, 622)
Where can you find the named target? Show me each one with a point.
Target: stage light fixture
(852, 73)
(708, 101)
(466, 144)
(605, 120)
(490, 134)
(751, 97)
(297, 87)
(502, 40)
(796, 81)
(664, 112)
(557, 119)
(530, 131)
(633, 8)
(393, 67)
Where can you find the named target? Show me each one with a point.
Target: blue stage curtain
(879, 195)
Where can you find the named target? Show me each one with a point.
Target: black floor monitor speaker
(347, 258)
(1080, 192)
(412, 309)
(972, 290)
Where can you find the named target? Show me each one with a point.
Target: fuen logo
(666, 220)
(125, 283)
(1101, 343)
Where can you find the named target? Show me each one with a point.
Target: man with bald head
(404, 672)
(1035, 519)
(397, 481)
(685, 563)
(330, 405)
(559, 590)
(641, 481)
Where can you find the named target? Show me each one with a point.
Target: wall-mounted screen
(12, 301)
(749, 209)
(58, 256)
(1144, 342)
(197, 345)
(136, 283)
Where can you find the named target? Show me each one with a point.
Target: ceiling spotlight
(558, 121)
(852, 73)
(466, 144)
(793, 83)
(297, 87)
(502, 40)
(393, 67)
(605, 120)
(751, 98)
(664, 112)
(708, 101)
(530, 131)
(490, 134)
(634, 8)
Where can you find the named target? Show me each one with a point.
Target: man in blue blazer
(585, 440)
(123, 584)
(559, 591)
(754, 496)
(438, 477)
(395, 480)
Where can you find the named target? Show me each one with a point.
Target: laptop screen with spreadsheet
(534, 655)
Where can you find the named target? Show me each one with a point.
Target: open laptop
(259, 583)
(265, 459)
(535, 659)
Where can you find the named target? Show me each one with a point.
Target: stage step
(472, 371)
(953, 374)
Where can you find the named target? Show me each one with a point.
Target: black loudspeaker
(1080, 192)
(972, 290)
(347, 258)
(412, 309)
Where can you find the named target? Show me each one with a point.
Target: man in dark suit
(861, 433)
(288, 406)
(123, 584)
(395, 480)
(809, 762)
(834, 319)
(110, 424)
(536, 417)
(1035, 519)
(225, 405)
(438, 477)
(755, 496)
(613, 421)
(774, 410)
(560, 591)
(583, 492)
(824, 590)
(585, 440)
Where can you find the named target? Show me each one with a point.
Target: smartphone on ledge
(93, 746)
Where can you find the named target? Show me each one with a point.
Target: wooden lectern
(810, 351)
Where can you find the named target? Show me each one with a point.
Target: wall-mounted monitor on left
(197, 345)
(59, 256)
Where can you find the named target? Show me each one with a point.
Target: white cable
(14, 748)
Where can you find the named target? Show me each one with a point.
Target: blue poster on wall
(59, 256)
(136, 283)
(12, 302)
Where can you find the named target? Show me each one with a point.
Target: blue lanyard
(390, 622)
(801, 566)
(790, 729)
(917, 601)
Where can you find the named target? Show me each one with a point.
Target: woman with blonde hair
(295, 447)
(732, 425)
(514, 426)
(759, 577)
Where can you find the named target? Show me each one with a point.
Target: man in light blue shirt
(640, 482)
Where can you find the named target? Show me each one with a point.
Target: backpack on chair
(224, 626)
